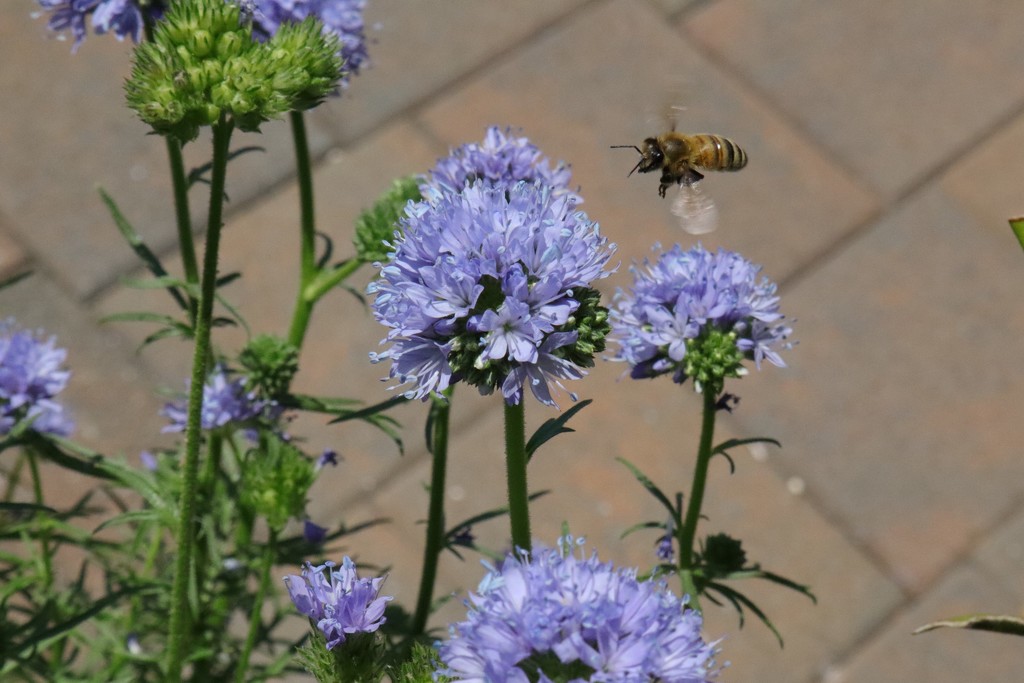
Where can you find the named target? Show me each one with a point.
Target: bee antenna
(637, 151)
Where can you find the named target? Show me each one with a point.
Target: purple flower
(344, 18)
(124, 18)
(224, 402)
(337, 600)
(492, 286)
(328, 457)
(499, 160)
(313, 532)
(550, 614)
(31, 375)
(687, 301)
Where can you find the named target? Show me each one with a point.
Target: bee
(678, 156)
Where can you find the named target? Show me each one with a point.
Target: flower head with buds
(203, 65)
(492, 286)
(698, 314)
(553, 615)
(31, 376)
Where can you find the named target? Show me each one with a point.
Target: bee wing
(696, 210)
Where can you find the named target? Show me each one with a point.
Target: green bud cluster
(271, 363)
(590, 322)
(204, 65)
(711, 358)
(377, 225)
(276, 481)
(724, 554)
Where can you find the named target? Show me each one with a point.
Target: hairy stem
(434, 545)
(180, 617)
(515, 467)
(688, 532)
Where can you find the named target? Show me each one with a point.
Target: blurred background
(883, 141)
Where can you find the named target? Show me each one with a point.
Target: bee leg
(667, 178)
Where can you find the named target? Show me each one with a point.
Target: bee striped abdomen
(716, 153)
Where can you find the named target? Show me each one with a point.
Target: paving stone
(417, 49)
(894, 89)
(987, 181)
(900, 408)
(89, 137)
(1002, 555)
(787, 206)
(894, 655)
(13, 258)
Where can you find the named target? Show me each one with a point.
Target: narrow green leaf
(757, 573)
(640, 527)
(979, 622)
(489, 515)
(139, 317)
(80, 459)
(135, 241)
(1017, 225)
(733, 443)
(653, 489)
(737, 599)
(14, 279)
(552, 428)
(22, 510)
(197, 174)
(146, 515)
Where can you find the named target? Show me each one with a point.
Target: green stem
(515, 468)
(13, 477)
(688, 532)
(180, 617)
(440, 411)
(179, 184)
(307, 253)
(44, 535)
(329, 279)
(255, 620)
(212, 469)
(184, 221)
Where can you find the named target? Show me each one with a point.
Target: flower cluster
(124, 18)
(698, 314)
(500, 160)
(553, 616)
(203, 64)
(342, 18)
(31, 375)
(492, 286)
(337, 600)
(225, 402)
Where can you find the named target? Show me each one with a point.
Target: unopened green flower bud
(271, 363)
(378, 224)
(201, 43)
(276, 481)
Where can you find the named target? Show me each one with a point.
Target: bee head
(651, 156)
(648, 161)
